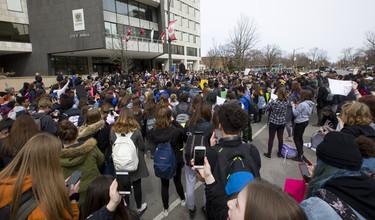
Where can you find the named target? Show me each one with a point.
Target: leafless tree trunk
(243, 38)
(118, 54)
(271, 55)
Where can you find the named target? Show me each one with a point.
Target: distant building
(52, 36)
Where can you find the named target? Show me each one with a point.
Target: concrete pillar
(196, 65)
(90, 65)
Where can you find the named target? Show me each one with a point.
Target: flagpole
(169, 43)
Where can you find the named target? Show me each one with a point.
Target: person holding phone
(75, 155)
(199, 123)
(125, 124)
(36, 169)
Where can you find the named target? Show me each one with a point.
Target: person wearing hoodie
(44, 121)
(182, 107)
(67, 109)
(83, 156)
(338, 188)
(301, 113)
(167, 129)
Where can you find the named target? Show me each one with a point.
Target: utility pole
(169, 43)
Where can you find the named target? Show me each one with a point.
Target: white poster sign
(219, 100)
(340, 87)
(78, 20)
(247, 71)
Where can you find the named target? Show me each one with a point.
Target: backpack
(27, 205)
(236, 167)
(197, 135)
(182, 116)
(125, 153)
(165, 164)
(261, 102)
(288, 151)
(38, 122)
(253, 109)
(330, 95)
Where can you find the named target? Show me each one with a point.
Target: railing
(141, 44)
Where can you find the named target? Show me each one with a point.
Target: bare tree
(370, 40)
(213, 56)
(119, 55)
(312, 54)
(370, 48)
(272, 54)
(243, 38)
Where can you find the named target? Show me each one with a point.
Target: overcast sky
(327, 24)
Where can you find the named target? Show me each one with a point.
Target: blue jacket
(245, 102)
(303, 111)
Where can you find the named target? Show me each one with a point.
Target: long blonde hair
(126, 122)
(39, 158)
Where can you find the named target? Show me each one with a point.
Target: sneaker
(289, 139)
(143, 208)
(165, 212)
(192, 213)
(183, 202)
(297, 158)
(267, 155)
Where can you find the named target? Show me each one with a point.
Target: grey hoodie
(303, 111)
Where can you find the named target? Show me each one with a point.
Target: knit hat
(339, 150)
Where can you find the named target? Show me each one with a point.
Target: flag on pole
(162, 37)
(141, 31)
(128, 34)
(152, 34)
(171, 34)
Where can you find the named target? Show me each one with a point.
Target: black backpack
(197, 136)
(27, 205)
(237, 166)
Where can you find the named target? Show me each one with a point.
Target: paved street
(273, 170)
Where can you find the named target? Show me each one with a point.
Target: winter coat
(303, 111)
(175, 134)
(7, 187)
(71, 114)
(100, 131)
(47, 123)
(86, 157)
(137, 139)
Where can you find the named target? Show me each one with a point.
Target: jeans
(190, 176)
(272, 129)
(177, 183)
(299, 129)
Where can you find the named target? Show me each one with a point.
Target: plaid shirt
(277, 113)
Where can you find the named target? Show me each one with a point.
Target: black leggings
(137, 188)
(273, 128)
(299, 129)
(177, 183)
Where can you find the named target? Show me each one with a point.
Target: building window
(122, 7)
(110, 29)
(133, 9)
(191, 51)
(109, 5)
(142, 11)
(14, 5)
(176, 49)
(14, 32)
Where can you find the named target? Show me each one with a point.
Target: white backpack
(125, 153)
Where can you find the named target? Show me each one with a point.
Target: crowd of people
(46, 134)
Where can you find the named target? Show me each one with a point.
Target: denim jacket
(317, 209)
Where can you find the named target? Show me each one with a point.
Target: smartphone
(124, 184)
(304, 172)
(73, 179)
(218, 134)
(199, 154)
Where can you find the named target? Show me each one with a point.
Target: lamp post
(169, 43)
(294, 57)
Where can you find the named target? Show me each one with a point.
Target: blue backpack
(261, 102)
(165, 164)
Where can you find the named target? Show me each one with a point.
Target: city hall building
(85, 36)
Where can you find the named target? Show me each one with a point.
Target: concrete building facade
(89, 36)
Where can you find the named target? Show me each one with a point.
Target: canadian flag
(128, 30)
(141, 31)
(162, 37)
(128, 34)
(171, 34)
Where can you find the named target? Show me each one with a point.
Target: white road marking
(198, 184)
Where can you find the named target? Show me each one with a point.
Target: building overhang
(7, 48)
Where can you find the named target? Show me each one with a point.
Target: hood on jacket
(37, 115)
(7, 187)
(357, 130)
(357, 191)
(87, 130)
(162, 135)
(72, 111)
(76, 155)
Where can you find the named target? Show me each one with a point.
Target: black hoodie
(175, 134)
(357, 130)
(357, 191)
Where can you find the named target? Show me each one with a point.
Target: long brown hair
(40, 159)
(22, 130)
(202, 111)
(163, 118)
(97, 196)
(126, 122)
(92, 116)
(267, 201)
